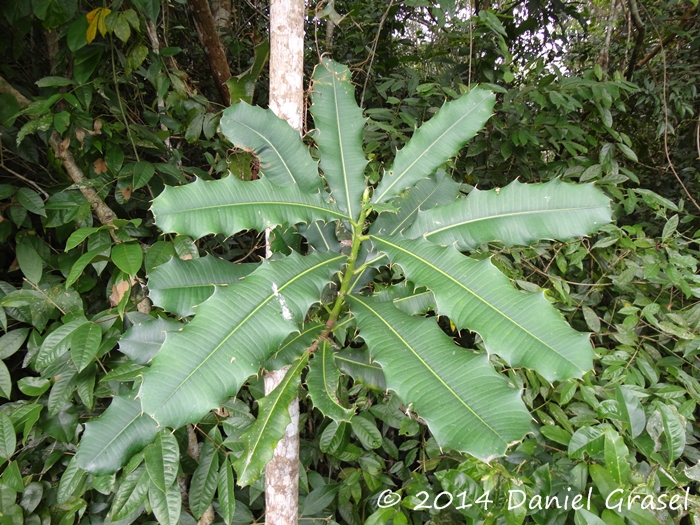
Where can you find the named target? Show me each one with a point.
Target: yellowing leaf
(101, 20)
(96, 20)
(91, 31)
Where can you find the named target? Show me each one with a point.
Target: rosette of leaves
(246, 314)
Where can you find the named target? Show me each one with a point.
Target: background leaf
(128, 257)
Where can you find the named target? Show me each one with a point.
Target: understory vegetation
(135, 191)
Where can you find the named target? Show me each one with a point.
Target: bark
(330, 26)
(287, 102)
(60, 149)
(204, 22)
(282, 472)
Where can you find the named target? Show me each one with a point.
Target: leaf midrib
(281, 159)
(428, 367)
(425, 152)
(245, 320)
(289, 376)
(341, 143)
(256, 203)
(416, 209)
(513, 214)
(484, 301)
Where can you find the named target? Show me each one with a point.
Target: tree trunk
(204, 21)
(287, 102)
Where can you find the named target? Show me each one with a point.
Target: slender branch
(684, 22)
(665, 109)
(121, 104)
(6, 88)
(24, 179)
(641, 31)
(60, 149)
(374, 51)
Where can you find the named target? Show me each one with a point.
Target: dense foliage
(104, 105)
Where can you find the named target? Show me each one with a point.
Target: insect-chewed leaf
(179, 285)
(230, 205)
(436, 141)
(524, 329)
(322, 382)
(516, 214)
(339, 122)
(208, 361)
(466, 404)
(430, 192)
(110, 440)
(283, 157)
(262, 437)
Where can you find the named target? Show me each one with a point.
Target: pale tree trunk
(287, 102)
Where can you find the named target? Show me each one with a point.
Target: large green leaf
(466, 404)
(283, 157)
(322, 382)
(436, 141)
(8, 441)
(110, 440)
(524, 329)
(430, 192)
(262, 437)
(230, 205)
(321, 236)
(200, 366)
(179, 285)
(339, 123)
(128, 257)
(616, 453)
(516, 214)
(85, 344)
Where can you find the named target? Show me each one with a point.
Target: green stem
(349, 269)
(119, 99)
